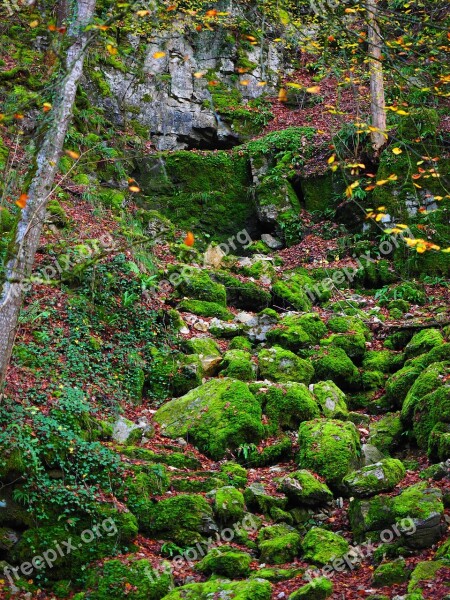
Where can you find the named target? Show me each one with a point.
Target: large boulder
(334, 364)
(330, 448)
(331, 400)
(252, 589)
(277, 364)
(301, 487)
(218, 416)
(321, 546)
(379, 477)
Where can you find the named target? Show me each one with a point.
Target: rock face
(382, 476)
(179, 109)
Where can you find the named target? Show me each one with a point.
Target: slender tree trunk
(33, 216)
(377, 97)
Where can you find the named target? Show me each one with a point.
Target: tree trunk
(30, 226)
(377, 97)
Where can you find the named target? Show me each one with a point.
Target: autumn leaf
(72, 154)
(331, 159)
(189, 240)
(282, 95)
(134, 188)
(313, 90)
(22, 201)
(112, 49)
(397, 151)
(46, 106)
(159, 55)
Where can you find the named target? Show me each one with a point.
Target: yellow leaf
(34, 24)
(397, 151)
(159, 55)
(380, 216)
(142, 13)
(315, 89)
(199, 74)
(331, 159)
(111, 49)
(72, 154)
(403, 113)
(261, 83)
(134, 188)
(296, 86)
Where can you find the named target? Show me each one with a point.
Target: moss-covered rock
(253, 589)
(430, 410)
(349, 324)
(233, 474)
(240, 343)
(321, 546)
(331, 400)
(333, 363)
(372, 515)
(380, 477)
(202, 345)
(423, 341)
(199, 285)
(429, 380)
(289, 334)
(132, 580)
(301, 487)
(291, 293)
(275, 575)
(309, 322)
(225, 561)
(277, 364)
(439, 442)
(246, 295)
(183, 519)
(238, 364)
(424, 574)
(217, 416)
(271, 454)
(229, 505)
(280, 548)
(399, 384)
(205, 309)
(287, 405)
(179, 460)
(330, 448)
(353, 344)
(390, 573)
(319, 589)
(258, 500)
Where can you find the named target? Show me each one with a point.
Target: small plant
(246, 449)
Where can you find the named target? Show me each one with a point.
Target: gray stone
(268, 239)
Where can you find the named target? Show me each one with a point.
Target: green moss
(234, 474)
(56, 213)
(425, 572)
(225, 561)
(258, 500)
(390, 573)
(369, 515)
(427, 382)
(385, 433)
(311, 323)
(418, 502)
(271, 454)
(229, 505)
(280, 550)
(303, 488)
(287, 406)
(174, 459)
(382, 360)
(238, 590)
(372, 380)
(430, 410)
(244, 295)
(203, 345)
(334, 364)
(199, 285)
(290, 292)
(348, 325)
(319, 589)
(373, 479)
(138, 490)
(444, 551)
(353, 344)
(330, 448)
(400, 304)
(205, 309)
(218, 416)
(399, 384)
(131, 580)
(423, 341)
(290, 336)
(240, 343)
(321, 546)
(439, 442)
(183, 518)
(238, 364)
(275, 575)
(277, 364)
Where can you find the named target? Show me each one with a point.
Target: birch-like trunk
(377, 96)
(33, 216)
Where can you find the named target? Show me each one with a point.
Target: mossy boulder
(203, 308)
(429, 380)
(287, 405)
(289, 334)
(184, 519)
(245, 295)
(198, 284)
(330, 448)
(218, 416)
(129, 580)
(431, 410)
(259, 500)
(277, 364)
(275, 575)
(319, 589)
(425, 573)
(238, 364)
(233, 474)
(353, 344)
(321, 546)
(301, 487)
(229, 505)
(202, 345)
(226, 561)
(334, 364)
(439, 442)
(240, 343)
(252, 589)
(291, 292)
(309, 322)
(423, 341)
(369, 516)
(278, 544)
(331, 400)
(382, 476)
(399, 384)
(271, 454)
(349, 324)
(390, 573)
